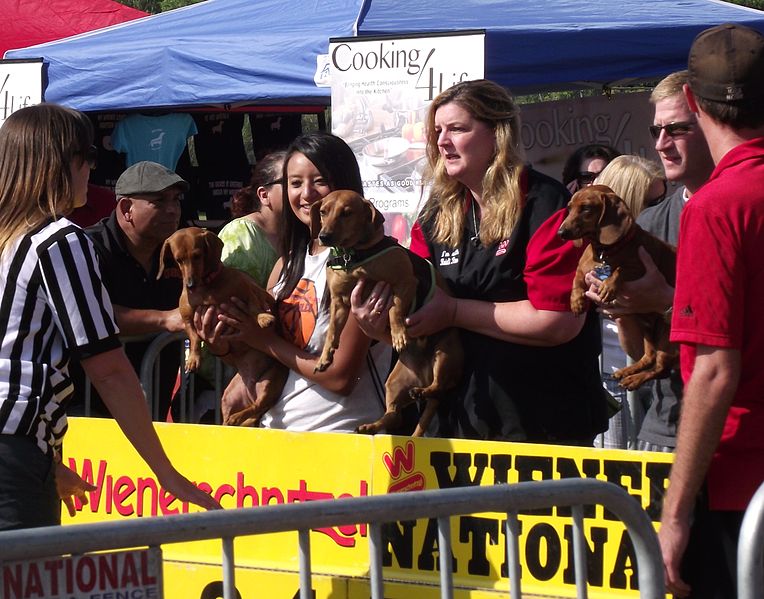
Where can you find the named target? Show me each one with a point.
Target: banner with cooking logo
(381, 88)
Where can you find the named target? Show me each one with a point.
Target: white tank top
(305, 405)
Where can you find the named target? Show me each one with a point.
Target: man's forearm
(135, 321)
(705, 404)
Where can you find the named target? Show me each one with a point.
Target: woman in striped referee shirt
(53, 307)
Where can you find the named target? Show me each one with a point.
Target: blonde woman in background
(640, 183)
(637, 181)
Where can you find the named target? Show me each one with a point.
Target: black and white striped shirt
(53, 307)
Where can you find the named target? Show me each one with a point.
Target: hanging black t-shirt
(110, 162)
(273, 131)
(510, 391)
(222, 158)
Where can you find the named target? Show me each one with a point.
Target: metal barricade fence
(374, 510)
(149, 378)
(750, 550)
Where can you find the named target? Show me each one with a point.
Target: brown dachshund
(207, 282)
(427, 366)
(598, 215)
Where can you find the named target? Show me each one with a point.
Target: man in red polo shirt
(719, 321)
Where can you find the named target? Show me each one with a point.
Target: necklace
(475, 239)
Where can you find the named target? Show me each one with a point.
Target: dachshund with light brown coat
(596, 214)
(427, 366)
(208, 282)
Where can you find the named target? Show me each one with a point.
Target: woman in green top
(250, 242)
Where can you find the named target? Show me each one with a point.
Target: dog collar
(350, 258)
(213, 275)
(603, 250)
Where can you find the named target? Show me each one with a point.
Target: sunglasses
(90, 156)
(672, 129)
(586, 178)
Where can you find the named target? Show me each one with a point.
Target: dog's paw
(366, 429)
(265, 320)
(416, 394)
(607, 293)
(324, 361)
(241, 419)
(400, 340)
(633, 382)
(577, 305)
(193, 362)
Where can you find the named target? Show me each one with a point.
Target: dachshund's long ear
(315, 219)
(616, 219)
(214, 246)
(377, 218)
(165, 256)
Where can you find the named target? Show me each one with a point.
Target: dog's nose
(325, 238)
(563, 232)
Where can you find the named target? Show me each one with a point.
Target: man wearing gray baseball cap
(148, 177)
(128, 243)
(718, 321)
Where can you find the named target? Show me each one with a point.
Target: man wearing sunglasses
(686, 160)
(128, 243)
(718, 321)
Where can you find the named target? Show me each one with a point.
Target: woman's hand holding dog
(239, 325)
(372, 313)
(437, 314)
(211, 330)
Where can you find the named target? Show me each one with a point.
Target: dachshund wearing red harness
(208, 282)
(598, 215)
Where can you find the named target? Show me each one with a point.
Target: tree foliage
(155, 6)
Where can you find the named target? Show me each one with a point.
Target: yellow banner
(252, 467)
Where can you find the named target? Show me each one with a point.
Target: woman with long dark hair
(350, 392)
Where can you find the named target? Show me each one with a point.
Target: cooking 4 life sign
(381, 88)
(20, 85)
(135, 574)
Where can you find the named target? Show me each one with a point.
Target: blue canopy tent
(228, 52)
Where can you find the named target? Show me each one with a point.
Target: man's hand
(69, 485)
(649, 293)
(172, 322)
(673, 537)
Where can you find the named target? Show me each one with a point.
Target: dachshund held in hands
(598, 215)
(207, 282)
(428, 366)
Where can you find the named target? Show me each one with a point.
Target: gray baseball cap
(148, 177)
